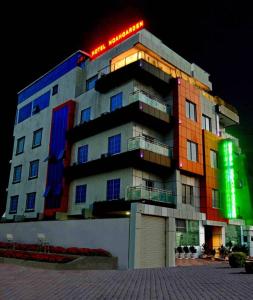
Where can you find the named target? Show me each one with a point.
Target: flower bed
(52, 258)
(56, 249)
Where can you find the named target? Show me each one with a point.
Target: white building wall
(96, 188)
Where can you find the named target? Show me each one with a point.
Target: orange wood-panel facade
(187, 129)
(210, 180)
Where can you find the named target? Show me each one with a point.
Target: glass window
(206, 123)
(85, 115)
(180, 225)
(187, 194)
(30, 202)
(116, 101)
(81, 193)
(187, 232)
(55, 89)
(13, 204)
(214, 161)
(192, 151)
(20, 145)
(34, 169)
(191, 110)
(17, 174)
(215, 199)
(113, 189)
(82, 156)
(37, 137)
(114, 144)
(91, 82)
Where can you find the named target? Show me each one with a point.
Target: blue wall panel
(50, 77)
(43, 101)
(55, 166)
(25, 112)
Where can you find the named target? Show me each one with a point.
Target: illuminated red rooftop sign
(117, 39)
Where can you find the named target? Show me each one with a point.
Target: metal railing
(141, 142)
(134, 193)
(149, 99)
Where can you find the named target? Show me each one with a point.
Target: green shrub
(249, 267)
(237, 259)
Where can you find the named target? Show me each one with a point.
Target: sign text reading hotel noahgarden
(117, 39)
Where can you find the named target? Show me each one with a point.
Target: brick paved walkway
(216, 281)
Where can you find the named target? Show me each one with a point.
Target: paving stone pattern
(215, 281)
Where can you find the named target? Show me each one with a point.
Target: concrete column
(170, 242)
(223, 238)
(248, 231)
(201, 233)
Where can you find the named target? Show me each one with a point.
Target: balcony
(149, 144)
(150, 100)
(136, 111)
(145, 72)
(137, 193)
(141, 159)
(228, 117)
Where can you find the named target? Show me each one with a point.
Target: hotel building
(130, 131)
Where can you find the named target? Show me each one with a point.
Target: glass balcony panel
(147, 99)
(141, 142)
(135, 193)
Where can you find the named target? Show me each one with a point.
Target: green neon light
(227, 190)
(233, 183)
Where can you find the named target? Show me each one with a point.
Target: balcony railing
(134, 193)
(141, 142)
(145, 97)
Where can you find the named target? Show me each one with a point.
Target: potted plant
(193, 251)
(212, 252)
(223, 251)
(186, 251)
(176, 253)
(180, 252)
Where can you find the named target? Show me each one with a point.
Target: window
(20, 145)
(187, 232)
(90, 83)
(37, 137)
(187, 194)
(113, 189)
(192, 151)
(34, 169)
(85, 115)
(30, 202)
(55, 89)
(82, 156)
(191, 110)
(180, 225)
(13, 204)
(215, 199)
(17, 174)
(116, 102)
(214, 160)
(206, 123)
(81, 193)
(149, 183)
(114, 144)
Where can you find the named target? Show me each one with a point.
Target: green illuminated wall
(233, 185)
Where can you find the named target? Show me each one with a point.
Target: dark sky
(217, 36)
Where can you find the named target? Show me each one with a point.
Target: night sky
(216, 36)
